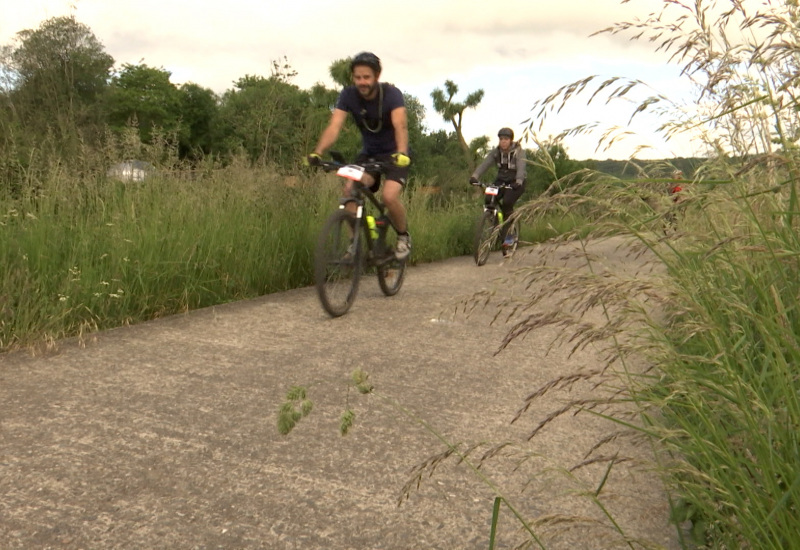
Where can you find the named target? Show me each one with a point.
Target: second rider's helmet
(506, 132)
(366, 58)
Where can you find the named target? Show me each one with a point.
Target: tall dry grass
(83, 254)
(81, 251)
(701, 350)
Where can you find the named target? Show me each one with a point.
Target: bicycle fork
(499, 218)
(498, 214)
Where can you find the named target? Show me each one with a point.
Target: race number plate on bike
(491, 190)
(351, 172)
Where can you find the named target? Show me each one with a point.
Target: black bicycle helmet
(366, 58)
(506, 132)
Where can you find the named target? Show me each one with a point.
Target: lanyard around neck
(379, 125)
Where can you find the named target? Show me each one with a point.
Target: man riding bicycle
(509, 157)
(379, 111)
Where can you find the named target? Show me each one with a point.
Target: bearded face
(366, 81)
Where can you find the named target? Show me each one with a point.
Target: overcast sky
(517, 51)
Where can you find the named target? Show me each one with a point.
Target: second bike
(487, 228)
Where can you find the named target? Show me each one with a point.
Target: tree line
(63, 102)
(62, 94)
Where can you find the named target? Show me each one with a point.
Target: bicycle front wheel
(485, 237)
(338, 263)
(391, 274)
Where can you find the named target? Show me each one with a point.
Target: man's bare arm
(331, 133)
(400, 123)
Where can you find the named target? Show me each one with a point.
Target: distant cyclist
(379, 112)
(509, 157)
(676, 186)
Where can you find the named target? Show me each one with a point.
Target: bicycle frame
(361, 195)
(493, 190)
(494, 206)
(337, 271)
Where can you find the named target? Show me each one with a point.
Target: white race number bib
(351, 172)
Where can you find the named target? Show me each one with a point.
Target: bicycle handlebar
(500, 185)
(369, 166)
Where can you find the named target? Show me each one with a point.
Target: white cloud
(518, 51)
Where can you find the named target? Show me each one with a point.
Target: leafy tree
(322, 102)
(480, 146)
(282, 70)
(56, 75)
(439, 160)
(340, 72)
(453, 112)
(268, 118)
(548, 164)
(144, 96)
(415, 111)
(199, 113)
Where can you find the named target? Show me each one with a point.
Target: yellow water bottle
(373, 230)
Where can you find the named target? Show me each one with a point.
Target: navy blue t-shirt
(377, 132)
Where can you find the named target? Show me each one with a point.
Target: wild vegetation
(716, 328)
(705, 347)
(702, 350)
(226, 211)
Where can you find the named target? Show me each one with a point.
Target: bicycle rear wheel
(337, 263)
(485, 237)
(391, 274)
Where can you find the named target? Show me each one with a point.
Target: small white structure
(131, 170)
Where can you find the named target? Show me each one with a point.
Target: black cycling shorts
(393, 172)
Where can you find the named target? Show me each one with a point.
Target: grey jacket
(511, 165)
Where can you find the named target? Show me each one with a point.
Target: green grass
(88, 253)
(730, 393)
(715, 330)
(131, 252)
(718, 326)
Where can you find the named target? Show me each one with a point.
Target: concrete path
(163, 435)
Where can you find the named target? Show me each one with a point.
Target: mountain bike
(352, 243)
(487, 228)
